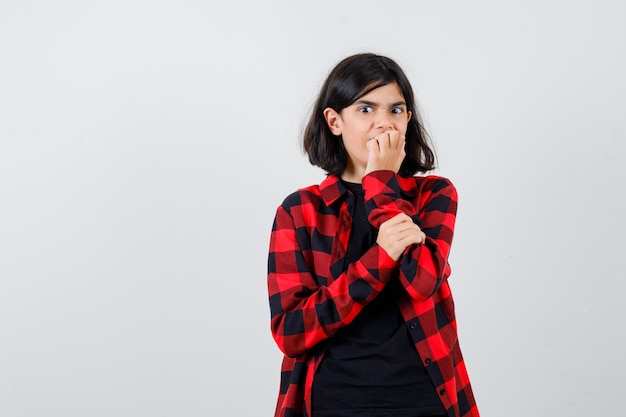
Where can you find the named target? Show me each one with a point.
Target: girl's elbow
(289, 345)
(288, 348)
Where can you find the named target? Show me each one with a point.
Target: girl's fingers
(386, 152)
(396, 141)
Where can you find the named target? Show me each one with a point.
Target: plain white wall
(144, 146)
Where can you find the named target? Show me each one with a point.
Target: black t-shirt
(371, 367)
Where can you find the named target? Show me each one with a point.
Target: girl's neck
(353, 174)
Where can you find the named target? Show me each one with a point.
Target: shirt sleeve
(305, 311)
(423, 267)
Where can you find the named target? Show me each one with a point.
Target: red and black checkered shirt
(313, 294)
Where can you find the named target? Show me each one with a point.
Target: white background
(144, 147)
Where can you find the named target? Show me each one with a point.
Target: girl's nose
(384, 121)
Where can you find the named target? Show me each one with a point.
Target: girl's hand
(386, 152)
(397, 233)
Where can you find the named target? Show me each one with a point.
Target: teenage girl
(357, 270)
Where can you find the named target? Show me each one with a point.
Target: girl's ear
(333, 119)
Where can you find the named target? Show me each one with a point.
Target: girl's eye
(396, 110)
(365, 109)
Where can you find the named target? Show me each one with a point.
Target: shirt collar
(332, 189)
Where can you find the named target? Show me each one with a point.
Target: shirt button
(428, 361)
(412, 326)
(442, 391)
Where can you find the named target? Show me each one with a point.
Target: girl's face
(381, 110)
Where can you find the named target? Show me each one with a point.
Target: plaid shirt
(312, 294)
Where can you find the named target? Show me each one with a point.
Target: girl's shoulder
(324, 193)
(305, 195)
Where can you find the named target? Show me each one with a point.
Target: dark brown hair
(351, 79)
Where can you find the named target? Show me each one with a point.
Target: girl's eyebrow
(371, 103)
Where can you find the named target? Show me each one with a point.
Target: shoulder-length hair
(354, 77)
